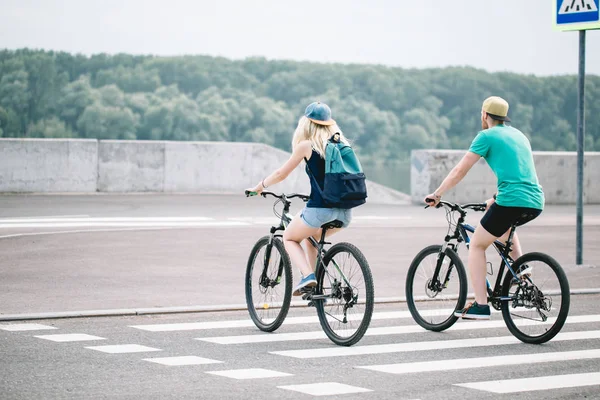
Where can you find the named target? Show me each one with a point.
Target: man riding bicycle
(508, 153)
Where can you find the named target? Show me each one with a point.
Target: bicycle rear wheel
(268, 284)
(540, 299)
(345, 281)
(432, 302)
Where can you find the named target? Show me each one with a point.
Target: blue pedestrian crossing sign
(573, 15)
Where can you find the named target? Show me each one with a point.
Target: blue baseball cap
(319, 113)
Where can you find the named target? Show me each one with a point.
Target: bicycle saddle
(524, 218)
(333, 224)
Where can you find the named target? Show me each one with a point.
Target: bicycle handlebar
(282, 196)
(460, 208)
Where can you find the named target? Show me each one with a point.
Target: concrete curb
(189, 309)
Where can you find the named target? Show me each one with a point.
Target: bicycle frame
(503, 251)
(461, 234)
(285, 220)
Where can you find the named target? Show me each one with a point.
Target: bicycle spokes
(538, 301)
(435, 287)
(268, 284)
(344, 296)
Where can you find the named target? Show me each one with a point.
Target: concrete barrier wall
(41, 165)
(219, 167)
(81, 165)
(131, 166)
(557, 173)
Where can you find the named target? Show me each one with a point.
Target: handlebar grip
(248, 193)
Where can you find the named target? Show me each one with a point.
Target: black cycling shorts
(498, 219)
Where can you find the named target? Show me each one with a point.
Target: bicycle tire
(324, 308)
(508, 306)
(426, 321)
(273, 321)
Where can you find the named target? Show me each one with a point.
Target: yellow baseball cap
(497, 108)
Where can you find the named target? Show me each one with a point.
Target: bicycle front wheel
(268, 284)
(540, 298)
(431, 299)
(345, 288)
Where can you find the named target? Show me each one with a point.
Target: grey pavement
(97, 252)
(34, 365)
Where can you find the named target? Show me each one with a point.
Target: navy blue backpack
(345, 182)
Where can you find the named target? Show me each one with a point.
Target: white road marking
(390, 330)
(44, 217)
(123, 348)
(536, 383)
(25, 327)
(190, 326)
(325, 389)
(424, 346)
(131, 224)
(224, 224)
(256, 220)
(251, 373)
(182, 360)
(70, 337)
(380, 217)
(466, 363)
(105, 219)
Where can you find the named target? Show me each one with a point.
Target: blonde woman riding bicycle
(314, 129)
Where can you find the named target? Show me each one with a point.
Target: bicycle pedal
(306, 291)
(305, 295)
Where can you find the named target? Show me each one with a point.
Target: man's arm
(455, 176)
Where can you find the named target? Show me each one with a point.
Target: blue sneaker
(308, 281)
(474, 311)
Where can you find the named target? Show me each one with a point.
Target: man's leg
(480, 241)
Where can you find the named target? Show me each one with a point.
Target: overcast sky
(496, 35)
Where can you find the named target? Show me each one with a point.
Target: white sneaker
(525, 272)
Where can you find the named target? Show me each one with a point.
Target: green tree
(107, 122)
(14, 90)
(49, 128)
(75, 97)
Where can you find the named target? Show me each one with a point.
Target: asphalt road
(73, 253)
(231, 359)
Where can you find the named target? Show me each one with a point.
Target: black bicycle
(532, 292)
(343, 295)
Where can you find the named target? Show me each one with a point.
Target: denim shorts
(315, 217)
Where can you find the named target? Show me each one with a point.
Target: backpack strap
(314, 179)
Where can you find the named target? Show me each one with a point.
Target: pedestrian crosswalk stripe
(250, 373)
(465, 363)
(391, 330)
(70, 337)
(423, 346)
(536, 383)
(123, 348)
(325, 389)
(244, 323)
(182, 360)
(25, 327)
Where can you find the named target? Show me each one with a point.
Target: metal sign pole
(578, 15)
(580, 143)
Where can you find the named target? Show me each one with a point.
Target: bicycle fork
(264, 278)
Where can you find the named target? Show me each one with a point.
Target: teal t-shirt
(508, 152)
